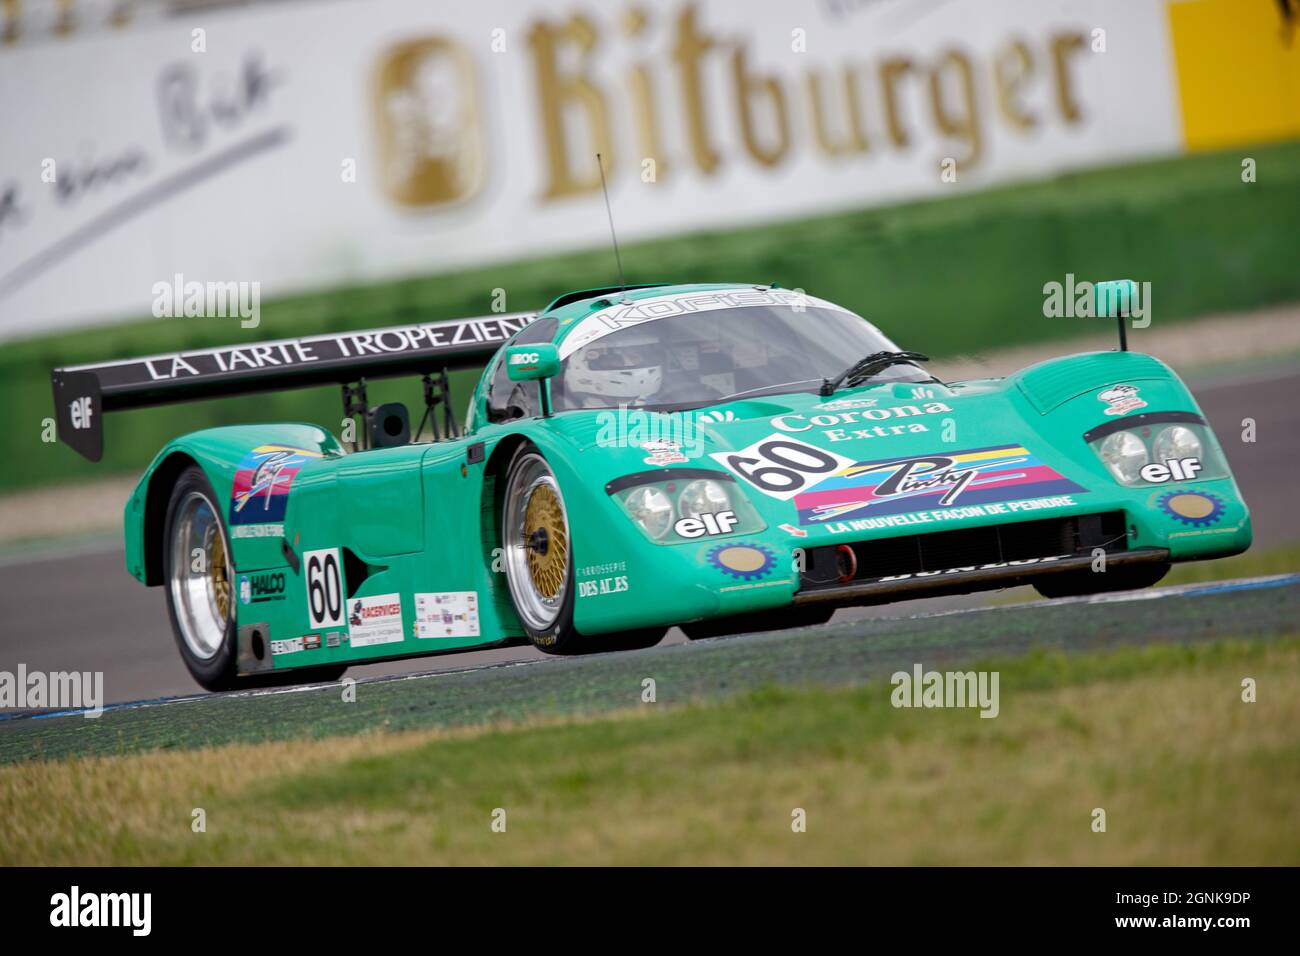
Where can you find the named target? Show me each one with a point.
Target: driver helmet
(626, 366)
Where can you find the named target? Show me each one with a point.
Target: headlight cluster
(1124, 454)
(1176, 442)
(668, 511)
(651, 509)
(702, 497)
(1145, 455)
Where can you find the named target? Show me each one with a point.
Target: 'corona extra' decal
(899, 485)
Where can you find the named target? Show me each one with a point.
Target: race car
(721, 457)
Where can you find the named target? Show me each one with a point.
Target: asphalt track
(78, 609)
(837, 655)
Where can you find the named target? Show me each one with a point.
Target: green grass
(945, 276)
(830, 656)
(1156, 736)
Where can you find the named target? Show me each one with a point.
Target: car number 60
(781, 466)
(324, 588)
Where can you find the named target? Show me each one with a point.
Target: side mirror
(531, 363)
(1115, 298)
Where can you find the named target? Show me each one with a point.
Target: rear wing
(84, 393)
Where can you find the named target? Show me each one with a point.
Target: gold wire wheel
(217, 569)
(538, 552)
(547, 541)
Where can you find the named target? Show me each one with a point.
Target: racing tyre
(199, 578)
(1077, 583)
(539, 563)
(538, 557)
(765, 621)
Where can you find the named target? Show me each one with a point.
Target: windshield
(699, 359)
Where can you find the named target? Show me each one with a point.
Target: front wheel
(538, 557)
(199, 574)
(539, 563)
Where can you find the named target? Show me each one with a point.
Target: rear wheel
(1077, 583)
(199, 575)
(765, 621)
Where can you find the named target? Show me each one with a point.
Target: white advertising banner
(318, 144)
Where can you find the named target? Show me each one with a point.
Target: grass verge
(851, 652)
(1157, 736)
(948, 277)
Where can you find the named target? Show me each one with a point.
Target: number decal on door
(324, 580)
(782, 466)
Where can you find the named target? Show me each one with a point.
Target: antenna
(622, 283)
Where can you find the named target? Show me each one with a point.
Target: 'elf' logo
(1175, 469)
(80, 413)
(710, 523)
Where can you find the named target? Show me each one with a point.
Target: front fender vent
(1052, 384)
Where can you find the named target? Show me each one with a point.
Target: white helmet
(626, 366)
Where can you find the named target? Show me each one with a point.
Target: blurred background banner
(311, 167)
(315, 145)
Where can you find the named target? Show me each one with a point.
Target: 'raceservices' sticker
(375, 620)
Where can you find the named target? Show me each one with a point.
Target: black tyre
(1078, 583)
(199, 579)
(539, 563)
(764, 621)
(538, 558)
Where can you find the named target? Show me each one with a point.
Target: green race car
(720, 457)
